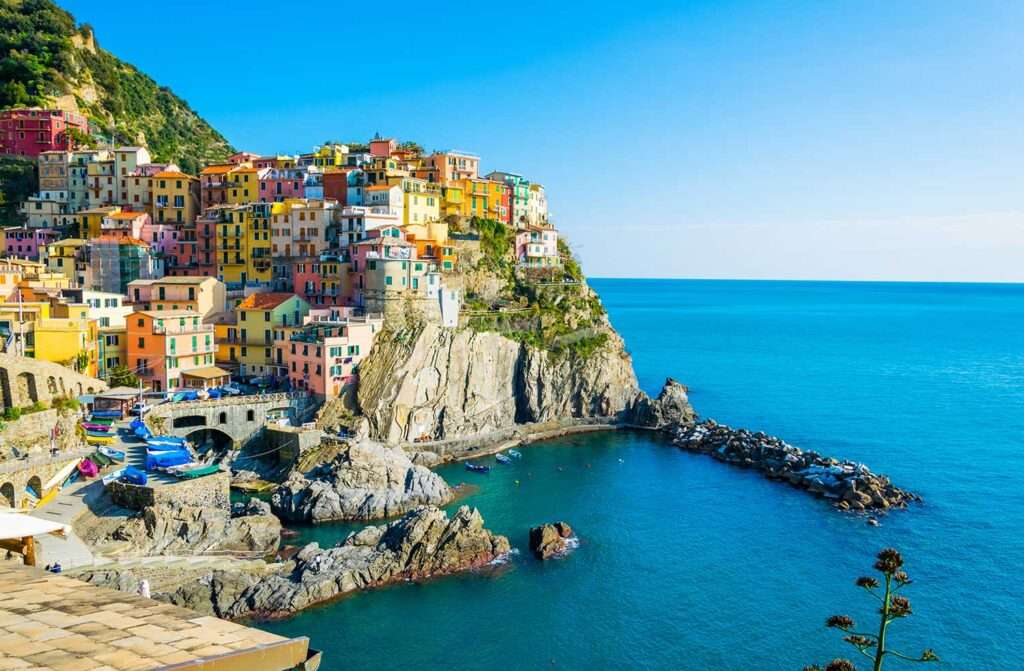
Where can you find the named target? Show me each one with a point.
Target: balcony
(177, 329)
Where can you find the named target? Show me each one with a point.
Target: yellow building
(113, 348)
(243, 185)
(51, 331)
(244, 243)
(421, 200)
(62, 257)
(257, 316)
(453, 198)
(90, 222)
(329, 155)
(175, 197)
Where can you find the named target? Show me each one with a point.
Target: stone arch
(26, 388)
(222, 418)
(51, 385)
(7, 495)
(188, 421)
(36, 485)
(221, 439)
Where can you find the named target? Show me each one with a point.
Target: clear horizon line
(777, 279)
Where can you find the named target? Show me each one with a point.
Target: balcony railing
(177, 329)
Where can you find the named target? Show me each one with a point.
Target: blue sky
(791, 140)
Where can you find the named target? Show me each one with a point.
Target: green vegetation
(548, 308)
(121, 376)
(18, 181)
(893, 606)
(47, 56)
(64, 403)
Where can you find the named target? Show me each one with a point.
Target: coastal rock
(425, 542)
(186, 530)
(437, 383)
(849, 485)
(671, 407)
(364, 481)
(253, 506)
(551, 540)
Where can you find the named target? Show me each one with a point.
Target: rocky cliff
(429, 382)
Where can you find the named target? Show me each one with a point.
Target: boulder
(550, 540)
(186, 530)
(670, 409)
(364, 481)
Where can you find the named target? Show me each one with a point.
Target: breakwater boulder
(364, 481)
(849, 485)
(424, 543)
(551, 540)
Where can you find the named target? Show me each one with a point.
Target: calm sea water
(686, 563)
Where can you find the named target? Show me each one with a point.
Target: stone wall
(212, 491)
(15, 475)
(24, 381)
(241, 418)
(290, 442)
(30, 434)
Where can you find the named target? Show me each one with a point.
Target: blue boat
(133, 476)
(113, 414)
(165, 459)
(478, 468)
(168, 442)
(502, 459)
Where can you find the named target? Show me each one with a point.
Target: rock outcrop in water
(364, 481)
(551, 540)
(424, 543)
(671, 408)
(438, 383)
(849, 485)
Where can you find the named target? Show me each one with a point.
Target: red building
(28, 132)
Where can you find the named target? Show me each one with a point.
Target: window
(223, 418)
(250, 415)
(142, 343)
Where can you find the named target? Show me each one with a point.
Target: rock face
(672, 407)
(550, 540)
(438, 383)
(849, 485)
(364, 481)
(423, 543)
(186, 530)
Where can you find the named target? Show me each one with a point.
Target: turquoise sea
(686, 563)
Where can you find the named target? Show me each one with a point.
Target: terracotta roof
(265, 301)
(173, 173)
(217, 169)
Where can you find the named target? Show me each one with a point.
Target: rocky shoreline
(847, 484)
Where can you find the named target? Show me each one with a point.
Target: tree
(122, 377)
(894, 606)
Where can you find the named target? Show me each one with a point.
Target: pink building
(382, 148)
(323, 281)
(537, 247)
(281, 183)
(28, 132)
(25, 242)
(324, 357)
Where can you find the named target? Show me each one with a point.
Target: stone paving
(50, 621)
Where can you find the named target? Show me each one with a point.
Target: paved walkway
(72, 501)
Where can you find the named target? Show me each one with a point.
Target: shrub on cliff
(894, 606)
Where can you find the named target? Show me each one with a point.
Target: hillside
(49, 60)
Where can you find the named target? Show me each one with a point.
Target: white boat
(110, 477)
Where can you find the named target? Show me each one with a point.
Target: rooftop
(265, 301)
(207, 373)
(52, 621)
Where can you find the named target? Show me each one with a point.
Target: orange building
(164, 347)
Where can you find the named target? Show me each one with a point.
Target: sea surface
(687, 563)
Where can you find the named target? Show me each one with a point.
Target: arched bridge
(240, 418)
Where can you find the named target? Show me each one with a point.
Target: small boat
(88, 468)
(111, 453)
(99, 440)
(165, 459)
(502, 459)
(197, 472)
(476, 468)
(133, 476)
(110, 477)
(515, 454)
(100, 460)
(107, 414)
(168, 442)
(89, 426)
(98, 434)
(106, 421)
